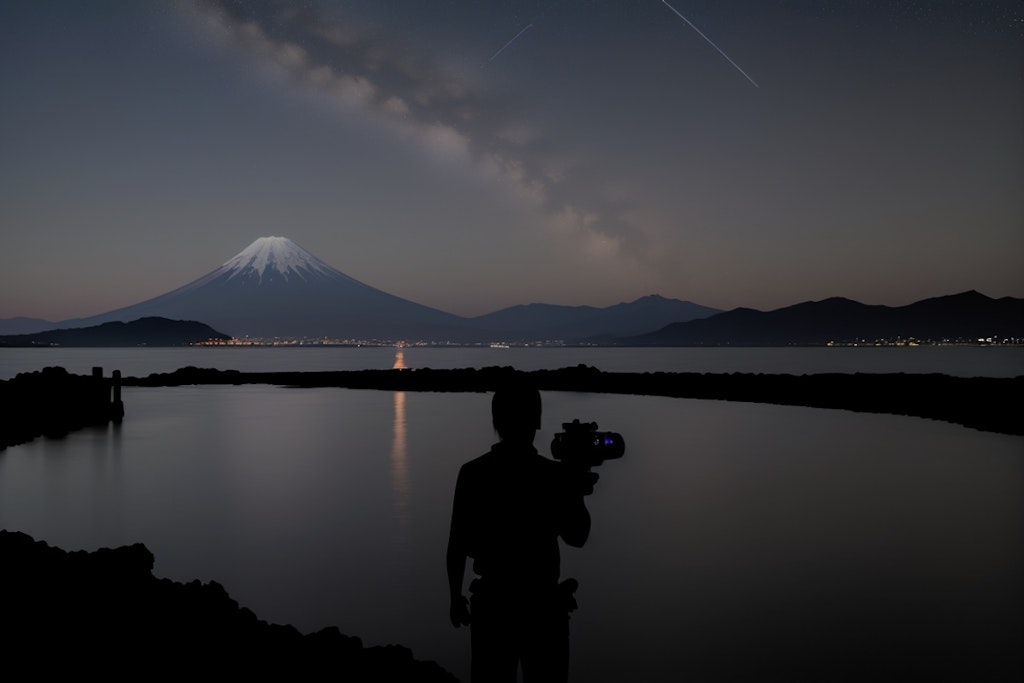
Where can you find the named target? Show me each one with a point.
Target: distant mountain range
(968, 316)
(537, 322)
(276, 289)
(142, 332)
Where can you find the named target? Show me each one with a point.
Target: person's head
(515, 412)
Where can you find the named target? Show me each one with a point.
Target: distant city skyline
(473, 156)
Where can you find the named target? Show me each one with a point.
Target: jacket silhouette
(510, 508)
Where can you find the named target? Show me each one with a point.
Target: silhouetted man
(511, 506)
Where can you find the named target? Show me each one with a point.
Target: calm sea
(732, 542)
(963, 361)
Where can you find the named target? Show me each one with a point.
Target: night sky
(474, 155)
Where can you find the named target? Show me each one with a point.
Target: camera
(580, 444)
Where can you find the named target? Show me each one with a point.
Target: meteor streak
(514, 39)
(702, 36)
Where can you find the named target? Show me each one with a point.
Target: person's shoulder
(546, 463)
(481, 462)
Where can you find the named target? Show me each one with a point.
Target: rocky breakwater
(53, 403)
(984, 403)
(105, 613)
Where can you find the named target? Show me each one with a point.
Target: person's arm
(458, 610)
(575, 526)
(456, 556)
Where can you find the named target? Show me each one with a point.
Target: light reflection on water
(399, 455)
(400, 481)
(726, 527)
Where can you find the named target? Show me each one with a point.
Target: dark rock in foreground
(105, 613)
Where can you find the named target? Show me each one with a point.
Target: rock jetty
(104, 613)
(983, 403)
(53, 403)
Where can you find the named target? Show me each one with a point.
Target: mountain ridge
(275, 288)
(539, 321)
(965, 316)
(152, 331)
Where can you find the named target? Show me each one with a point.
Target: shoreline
(52, 402)
(980, 403)
(104, 612)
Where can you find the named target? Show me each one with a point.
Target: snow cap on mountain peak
(279, 254)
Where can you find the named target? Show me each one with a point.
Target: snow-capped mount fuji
(277, 256)
(275, 261)
(275, 288)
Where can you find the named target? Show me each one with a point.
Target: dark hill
(142, 332)
(534, 322)
(965, 317)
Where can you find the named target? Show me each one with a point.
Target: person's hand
(459, 611)
(582, 481)
(577, 478)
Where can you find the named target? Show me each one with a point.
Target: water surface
(962, 361)
(730, 536)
